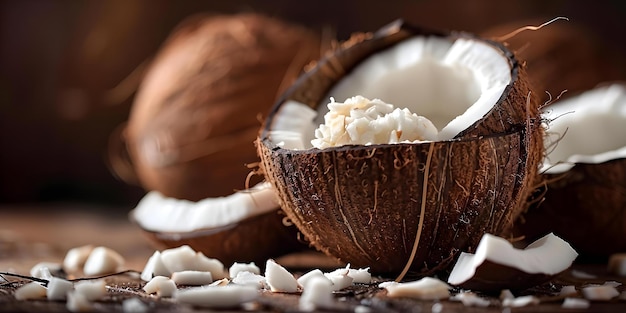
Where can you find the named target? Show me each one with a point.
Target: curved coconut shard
(371, 205)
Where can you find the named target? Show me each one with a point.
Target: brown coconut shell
(363, 204)
(196, 115)
(585, 206)
(255, 239)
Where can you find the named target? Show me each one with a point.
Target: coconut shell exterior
(586, 206)
(255, 239)
(196, 115)
(362, 204)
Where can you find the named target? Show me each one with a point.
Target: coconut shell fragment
(372, 205)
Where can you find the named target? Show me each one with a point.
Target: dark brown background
(60, 63)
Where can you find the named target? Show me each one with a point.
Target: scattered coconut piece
(217, 297)
(207, 264)
(279, 279)
(192, 278)
(161, 285)
(45, 269)
(427, 288)
(32, 290)
(340, 279)
(154, 267)
(470, 299)
(498, 265)
(78, 302)
(520, 301)
(599, 293)
(612, 283)
(386, 284)
(506, 294)
(179, 259)
(91, 289)
(220, 282)
(318, 294)
(240, 267)
(436, 308)
(583, 275)
(617, 264)
(575, 303)
(568, 290)
(75, 258)
(360, 276)
(134, 305)
(58, 288)
(305, 278)
(102, 261)
(250, 279)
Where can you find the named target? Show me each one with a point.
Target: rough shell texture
(253, 240)
(586, 206)
(363, 204)
(196, 114)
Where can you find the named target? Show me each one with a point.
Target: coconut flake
(575, 303)
(44, 270)
(32, 290)
(304, 279)
(471, 299)
(192, 278)
(78, 302)
(599, 293)
(318, 294)
(58, 288)
(568, 290)
(340, 279)
(617, 264)
(102, 261)
(161, 285)
(427, 288)
(75, 258)
(207, 264)
(520, 301)
(92, 290)
(217, 297)
(279, 279)
(156, 212)
(250, 279)
(240, 267)
(154, 267)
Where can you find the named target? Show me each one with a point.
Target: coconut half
(242, 227)
(584, 199)
(497, 265)
(371, 205)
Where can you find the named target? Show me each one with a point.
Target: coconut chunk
(78, 302)
(427, 288)
(340, 279)
(496, 265)
(217, 297)
(92, 290)
(154, 267)
(471, 299)
(506, 294)
(102, 261)
(617, 264)
(32, 290)
(207, 264)
(520, 301)
(58, 288)
(575, 303)
(318, 294)
(599, 293)
(45, 269)
(568, 290)
(240, 267)
(306, 277)
(75, 258)
(179, 259)
(250, 279)
(279, 279)
(161, 285)
(134, 305)
(192, 278)
(359, 276)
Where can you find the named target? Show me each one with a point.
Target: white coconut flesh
(588, 128)
(158, 213)
(453, 83)
(548, 255)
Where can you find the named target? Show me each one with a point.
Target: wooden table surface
(32, 234)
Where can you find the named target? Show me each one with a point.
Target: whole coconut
(196, 114)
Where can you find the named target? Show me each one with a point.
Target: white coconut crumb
(44, 269)
(102, 261)
(612, 283)
(220, 282)
(279, 279)
(240, 267)
(436, 308)
(192, 278)
(359, 276)
(568, 290)
(575, 303)
(520, 301)
(134, 305)
(58, 288)
(78, 302)
(207, 264)
(506, 294)
(318, 294)
(75, 258)
(362, 121)
(305, 278)
(217, 297)
(386, 284)
(617, 264)
(250, 279)
(427, 288)
(599, 293)
(32, 290)
(340, 279)
(161, 285)
(154, 267)
(583, 275)
(471, 299)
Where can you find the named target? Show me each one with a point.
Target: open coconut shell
(370, 205)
